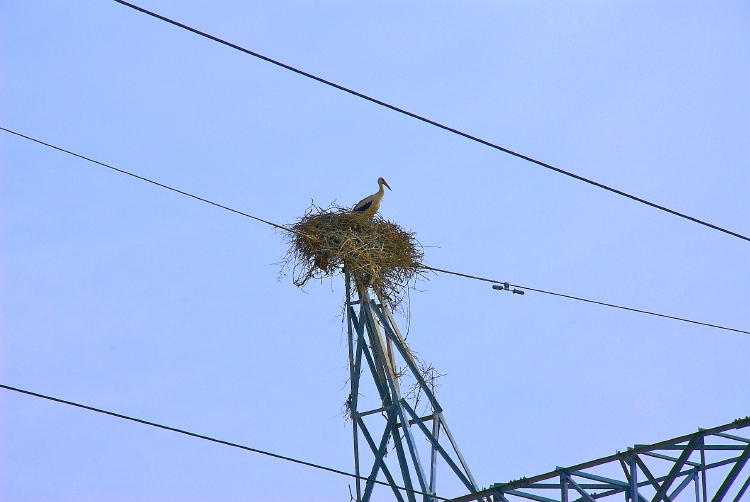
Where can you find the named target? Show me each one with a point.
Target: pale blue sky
(124, 296)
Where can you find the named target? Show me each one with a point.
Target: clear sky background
(128, 297)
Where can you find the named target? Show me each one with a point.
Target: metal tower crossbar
(700, 467)
(377, 347)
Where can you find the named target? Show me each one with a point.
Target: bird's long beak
(386, 184)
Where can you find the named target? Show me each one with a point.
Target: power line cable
(213, 440)
(430, 121)
(287, 229)
(506, 285)
(281, 227)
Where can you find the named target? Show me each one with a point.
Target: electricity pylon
(706, 466)
(377, 349)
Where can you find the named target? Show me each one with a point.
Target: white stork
(370, 204)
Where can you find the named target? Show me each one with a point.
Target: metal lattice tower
(710, 465)
(392, 420)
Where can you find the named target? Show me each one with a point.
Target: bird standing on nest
(370, 205)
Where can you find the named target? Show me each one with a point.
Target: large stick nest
(376, 252)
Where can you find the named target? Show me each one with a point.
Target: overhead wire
(287, 229)
(430, 121)
(213, 440)
(578, 298)
(142, 178)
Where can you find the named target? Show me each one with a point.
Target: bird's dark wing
(363, 207)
